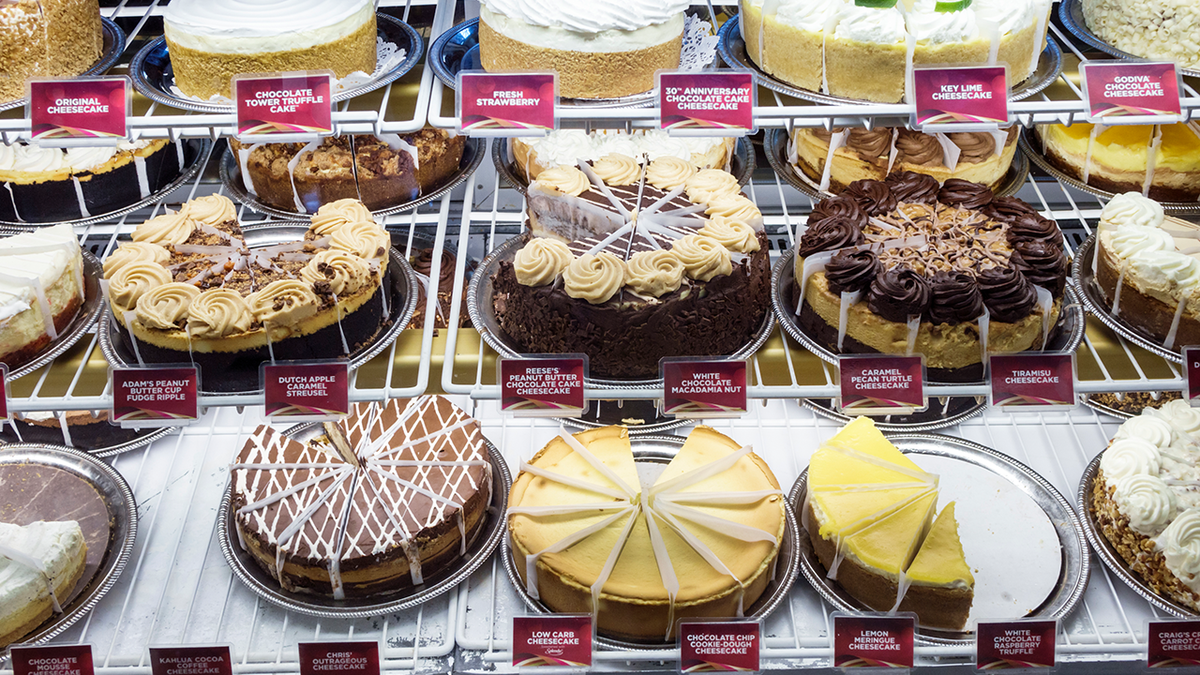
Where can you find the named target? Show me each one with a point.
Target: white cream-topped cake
(40, 564)
(41, 289)
(1152, 29)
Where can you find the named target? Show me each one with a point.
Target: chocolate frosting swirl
(915, 147)
(1034, 227)
(852, 271)
(841, 206)
(975, 146)
(1007, 209)
(1007, 293)
(870, 143)
(965, 194)
(1043, 263)
(874, 197)
(829, 234)
(898, 294)
(824, 134)
(423, 264)
(955, 298)
(909, 186)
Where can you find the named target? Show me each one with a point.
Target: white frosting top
(1153, 430)
(1131, 240)
(52, 544)
(567, 146)
(1131, 208)
(928, 25)
(868, 24)
(589, 16)
(1179, 415)
(1147, 501)
(255, 26)
(811, 15)
(1129, 457)
(31, 158)
(1180, 544)
(44, 255)
(1009, 15)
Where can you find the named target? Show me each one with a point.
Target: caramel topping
(132, 252)
(668, 173)
(565, 179)
(134, 280)
(211, 210)
(540, 261)
(654, 273)
(332, 216)
(166, 307)
(336, 272)
(364, 238)
(169, 228)
(594, 278)
(617, 169)
(285, 302)
(734, 207)
(218, 312)
(711, 184)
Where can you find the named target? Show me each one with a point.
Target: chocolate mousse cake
(905, 266)
(443, 286)
(189, 289)
(629, 265)
(83, 429)
(386, 499)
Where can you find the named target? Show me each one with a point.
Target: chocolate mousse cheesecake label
(550, 386)
(553, 640)
(283, 108)
(506, 104)
(1123, 92)
(208, 660)
(1191, 362)
(873, 641)
(709, 646)
(155, 397)
(971, 98)
(1173, 644)
(699, 388)
(1022, 382)
(56, 660)
(306, 391)
(708, 103)
(882, 384)
(344, 658)
(83, 111)
(1015, 644)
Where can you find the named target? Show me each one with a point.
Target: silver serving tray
(145, 437)
(153, 76)
(1064, 337)
(777, 146)
(1093, 300)
(1070, 12)
(123, 516)
(733, 51)
(1090, 401)
(113, 45)
(741, 164)
(267, 587)
(231, 176)
(89, 309)
(203, 149)
(660, 450)
(483, 316)
(1027, 146)
(943, 412)
(1073, 577)
(402, 305)
(1105, 551)
(601, 413)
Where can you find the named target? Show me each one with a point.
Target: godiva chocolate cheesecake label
(87, 111)
(507, 104)
(155, 397)
(282, 108)
(960, 99)
(709, 103)
(1131, 93)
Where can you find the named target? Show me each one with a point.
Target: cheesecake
(41, 291)
(40, 565)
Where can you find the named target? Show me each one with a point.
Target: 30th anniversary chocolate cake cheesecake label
(1121, 92)
(155, 397)
(82, 111)
(306, 391)
(712, 104)
(282, 108)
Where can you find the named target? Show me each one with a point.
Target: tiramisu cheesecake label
(866, 641)
(284, 108)
(1191, 360)
(556, 640)
(960, 99)
(719, 646)
(712, 104)
(300, 392)
(1121, 92)
(345, 658)
(86, 111)
(1173, 644)
(1025, 381)
(551, 386)
(700, 388)
(207, 660)
(155, 397)
(507, 104)
(56, 660)
(889, 384)
(1015, 644)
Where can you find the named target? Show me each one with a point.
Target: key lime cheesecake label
(971, 98)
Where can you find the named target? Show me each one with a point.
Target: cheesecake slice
(940, 571)
(40, 564)
(41, 290)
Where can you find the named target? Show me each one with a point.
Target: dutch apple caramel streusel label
(306, 392)
(83, 111)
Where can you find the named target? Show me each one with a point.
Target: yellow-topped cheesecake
(1160, 161)
(869, 514)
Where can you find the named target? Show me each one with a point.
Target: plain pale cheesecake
(568, 147)
(1161, 162)
(1166, 30)
(40, 565)
(41, 290)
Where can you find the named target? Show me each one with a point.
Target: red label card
(1191, 362)
(1121, 92)
(720, 103)
(506, 104)
(155, 397)
(1173, 644)
(3, 392)
(214, 660)
(558, 640)
(543, 386)
(719, 646)
(306, 391)
(1025, 381)
(342, 658)
(962, 98)
(1015, 644)
(57, 660)
(288, 106)
(693, 388)
(873, 641)
(891, 384)
(65, 111)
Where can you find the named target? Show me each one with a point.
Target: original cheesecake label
(882, 384)
(710, 103)
(56, 660)
(82, 111)
(306, 392)
(1191, 361)
(550, 386)
(1022, 382)
(554, 640)
(1015, 644)
(506, 104)
(280, 108)
(155, 397)
(972, 98)
(873, 641)
(210, 660)
(699, 388)
(1123, 92)
(1173, 644)
(708, 646)
(342, 658)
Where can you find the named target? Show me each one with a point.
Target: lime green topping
(881, 4)
(952, 5)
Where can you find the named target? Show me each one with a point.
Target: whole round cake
(47, 38)
(640, 545)
(908, 267)
(1167, 30)
(836, 158)
(386, 499)
(210, 41)
(863, 49)
(1160, 161)
(599, 48)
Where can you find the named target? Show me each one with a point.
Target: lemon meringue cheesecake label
(155, 397)
(282, 108)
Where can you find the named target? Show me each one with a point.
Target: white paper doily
(699, 44)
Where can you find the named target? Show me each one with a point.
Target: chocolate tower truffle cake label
(699, 388)
(306, 392)
(543, 386)
(960, 99)
(507, 104)
(712, 104)
(1027, 381)
(1131, 93)
(558, 640)
(712, 646)
(282, 108)
(1015, 644)
(873, 641)
(886, 384)
(155, 397)
(1173, 644)
(87, 111)
(56, 660)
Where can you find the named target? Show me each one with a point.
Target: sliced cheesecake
(40, 564)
